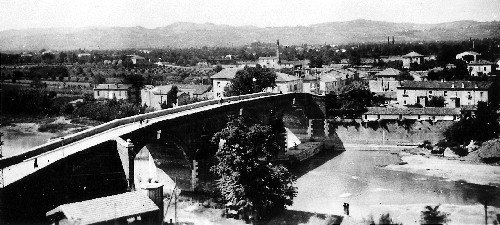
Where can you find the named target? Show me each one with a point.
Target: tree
(218, 68)
(436, 101)
(246, 176)
(251, 80)
(433, 216)
(172, 96)
(351, 100)
(484, 125)
(405, 75)
(98, 79)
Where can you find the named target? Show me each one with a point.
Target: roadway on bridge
(16, 172)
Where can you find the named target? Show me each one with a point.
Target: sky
(22, 14)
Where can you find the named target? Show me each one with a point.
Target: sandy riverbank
(454, 169)
(19, 137)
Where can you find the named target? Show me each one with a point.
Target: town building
(155, 96)
(330, 83)
(136, 59)
(221, 80)
(468, 56)
(113, 91)
(481, 67)
(310, 84)
(388, 74)
(455, 93)
(412, 57)
(127, 208)
(286, 83)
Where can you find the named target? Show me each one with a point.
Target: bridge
(99, 161)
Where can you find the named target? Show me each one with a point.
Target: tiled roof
(328, 77)
(107, 208)
(113, 87)
(412, 54)
(228, 73)
(483, 85)
(389, 72)
(309, 77)
(412, 111)
(482, 62)
(283, 77)
(469, 53)
(198, 89)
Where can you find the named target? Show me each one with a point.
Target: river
(22, 137)
(357, 177)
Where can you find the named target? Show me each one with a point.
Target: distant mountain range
(197, 35)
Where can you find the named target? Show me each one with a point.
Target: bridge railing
(11, 160)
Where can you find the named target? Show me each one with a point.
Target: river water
(22, 137)
(357, 177)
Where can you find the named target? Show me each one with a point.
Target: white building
(286, 83)
(112, 91)
(221, 80)
(481, 67)
(474, 56)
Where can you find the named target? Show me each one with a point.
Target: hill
(197, 35)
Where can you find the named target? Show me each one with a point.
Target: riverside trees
(246, 176)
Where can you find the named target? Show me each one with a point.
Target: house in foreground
(127, 208)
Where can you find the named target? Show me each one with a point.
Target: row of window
(445, 93)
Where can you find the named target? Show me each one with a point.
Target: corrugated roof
(413, 111)
(389, 72)
(413, 54)
(113, 87)
(483, 85)
(107, 208)
(228, 73)
(283, 77)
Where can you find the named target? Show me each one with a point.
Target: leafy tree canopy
(251, 80)
(246, 176)
(351, 100)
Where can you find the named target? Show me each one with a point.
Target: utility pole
(1, 155)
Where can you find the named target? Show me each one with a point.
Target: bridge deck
(24, 167)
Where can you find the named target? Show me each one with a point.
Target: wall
(393, 133)
(410, 96)
(383, 85)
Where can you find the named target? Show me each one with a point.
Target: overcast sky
(21, 14)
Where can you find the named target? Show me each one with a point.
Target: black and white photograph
(264, 112)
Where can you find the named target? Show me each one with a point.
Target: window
(445, 93)
(405, 102)
(218, 95)
(485, 68)
(430, 92)
(481, 94)
(218, 83)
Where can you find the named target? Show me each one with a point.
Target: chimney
(155, 193)
(131, 170)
